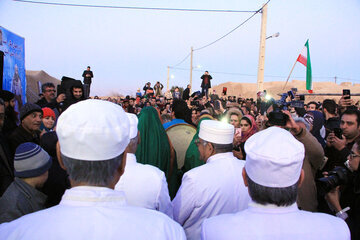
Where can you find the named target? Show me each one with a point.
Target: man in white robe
(273, 173)
(93, 136)
(215, 187)
(144, 185)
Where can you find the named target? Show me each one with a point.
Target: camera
(338, 176)
(277, 117)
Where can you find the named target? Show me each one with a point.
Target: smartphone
(338, 132)
(346, 92)
(237, 131)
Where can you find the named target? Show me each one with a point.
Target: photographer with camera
(345, 199)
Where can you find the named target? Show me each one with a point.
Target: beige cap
(274, 158)
(93, 130)
(216, 132)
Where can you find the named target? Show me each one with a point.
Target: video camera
(277, 117)
(338, 176)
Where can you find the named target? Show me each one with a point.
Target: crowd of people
(80, 168)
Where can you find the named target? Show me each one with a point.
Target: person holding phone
(337, 149)
(345, 101)
(248, 128)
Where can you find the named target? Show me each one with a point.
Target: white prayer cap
(133, 124)
(216, 132)
(274, 158)
(93, 130)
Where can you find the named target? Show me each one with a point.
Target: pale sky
(126, 48)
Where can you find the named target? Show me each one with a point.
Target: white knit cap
(93, 130)
(274, 158)
(216, 132)
(133, 124)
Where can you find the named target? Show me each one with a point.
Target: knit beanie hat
(6, 95)
(48, 112)
(29, 108)
(31, 160)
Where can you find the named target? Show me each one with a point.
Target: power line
(136, 8)
(187, 56)
(207, 45)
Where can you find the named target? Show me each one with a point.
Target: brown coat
(314, 159)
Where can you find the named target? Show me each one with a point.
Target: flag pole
(290, 74)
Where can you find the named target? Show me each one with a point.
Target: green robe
(154, 147)
(192, 156)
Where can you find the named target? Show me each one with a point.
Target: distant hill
(33, 87)
(248, 90)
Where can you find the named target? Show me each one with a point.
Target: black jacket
(203, 77)
(19, 136)
(186, 94)
(6, 165)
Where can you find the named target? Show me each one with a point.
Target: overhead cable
(135, 8)
(207, 45)
(187, 56)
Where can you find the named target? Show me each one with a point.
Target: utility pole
(335, 79)
(191, 68)
(167, 81)
(260, 75)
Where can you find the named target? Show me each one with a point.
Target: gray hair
(220, 148)
(95, 173)
(2, 102)
(47, 85)
(269, 195)
(302, 120)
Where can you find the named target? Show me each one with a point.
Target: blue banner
(14, 77)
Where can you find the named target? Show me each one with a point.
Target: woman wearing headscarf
(155, 148)
(248, 128)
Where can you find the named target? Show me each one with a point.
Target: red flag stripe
(302, 59)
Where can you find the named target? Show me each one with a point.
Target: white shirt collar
(130, 159)
(272, 207)
(93, 196)
(217, 156)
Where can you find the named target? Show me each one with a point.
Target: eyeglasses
(353, 155)
(198, 142)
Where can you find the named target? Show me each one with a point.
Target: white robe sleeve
(163, 201)
(184, 202)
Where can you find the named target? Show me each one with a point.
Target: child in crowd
(22, 197)
(48, 120)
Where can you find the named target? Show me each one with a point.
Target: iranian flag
(304, 58)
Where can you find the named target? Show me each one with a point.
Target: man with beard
(77, 95)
